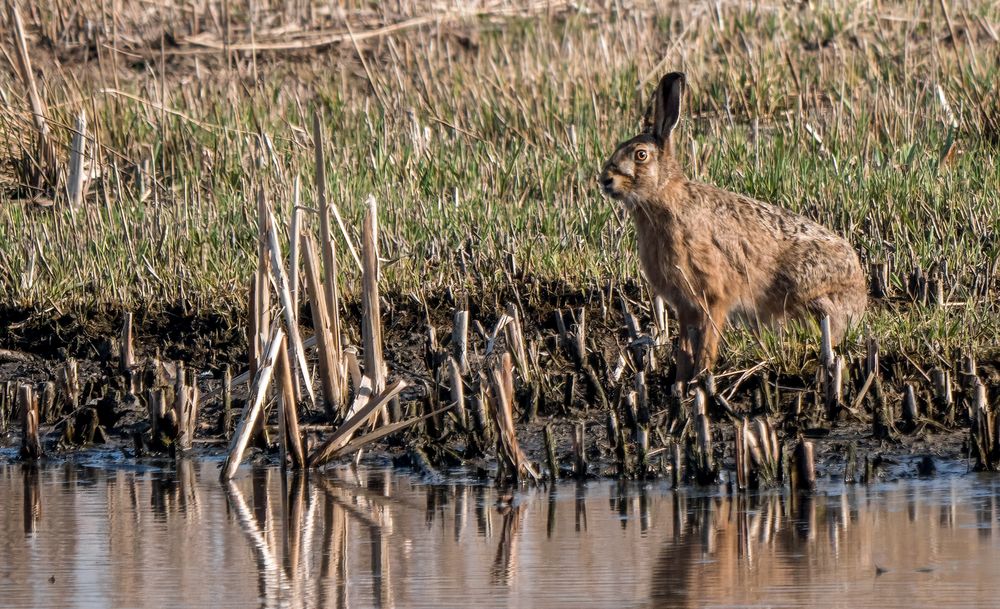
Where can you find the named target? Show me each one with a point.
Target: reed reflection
(505, 562)
(32, 501)
(359, 538)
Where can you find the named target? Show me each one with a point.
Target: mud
(39, 342)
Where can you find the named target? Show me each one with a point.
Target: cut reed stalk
(515, 340)
(75, 185)
(460, 340)
(127, 354)
(227, 403)
(705, 472)
(299, 365)
(457, 387)
(983, 431)
(910, 414)
(31, 445)
(331, 367)
(185, 409)
(294, 242)
(804, 468)
(371, 309)
(660, 320)
(288, 418)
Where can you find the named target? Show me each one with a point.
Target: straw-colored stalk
(254, 406)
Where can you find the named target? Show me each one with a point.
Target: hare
(713, 254)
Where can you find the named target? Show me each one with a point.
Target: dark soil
(39, 342)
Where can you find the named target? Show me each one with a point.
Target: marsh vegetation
(480, 130)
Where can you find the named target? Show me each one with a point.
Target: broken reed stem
(294, 242)
(281, 281)
(157, 410)
(660, 318)
(342, 437)
(253, 407)
(983, 430)
(705, 472)
(371, 315)
(261, 322)
(74, 187)
(804, 467)
(910, 413)
(757, 453)
(742, 453)
(185, 408)
(288, 418)
(515, 339)
(338, 388)
(260, 294)
(457, 393)
(127, 359)
(227, 403)
(331, 368)
(253, 344)
(943, 400)
(512, 461)
(460, 340)
(832, 374)
(31, 445)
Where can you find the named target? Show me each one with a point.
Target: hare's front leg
(698, 342)
(687, 329)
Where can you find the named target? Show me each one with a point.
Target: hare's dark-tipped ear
(665, 107)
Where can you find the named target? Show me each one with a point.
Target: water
(114, 535)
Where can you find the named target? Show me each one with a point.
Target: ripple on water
(111, 533)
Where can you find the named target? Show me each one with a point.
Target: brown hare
(712, 254)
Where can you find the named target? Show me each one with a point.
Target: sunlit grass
(486, 155)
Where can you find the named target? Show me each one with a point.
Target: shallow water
(113, 535)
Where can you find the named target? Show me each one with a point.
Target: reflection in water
(32, 498)
(505, 563)
(172, 536)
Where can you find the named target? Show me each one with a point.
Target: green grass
(493, 150)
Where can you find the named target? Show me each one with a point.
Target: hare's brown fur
(713, 254)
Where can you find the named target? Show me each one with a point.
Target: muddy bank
(625, 353)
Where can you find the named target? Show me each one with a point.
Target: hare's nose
(607, 181)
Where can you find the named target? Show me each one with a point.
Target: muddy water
(106, 534)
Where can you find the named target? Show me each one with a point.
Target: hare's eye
(641, 155)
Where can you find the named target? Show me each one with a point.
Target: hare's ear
(665, 107)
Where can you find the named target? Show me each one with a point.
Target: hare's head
(639, 168)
